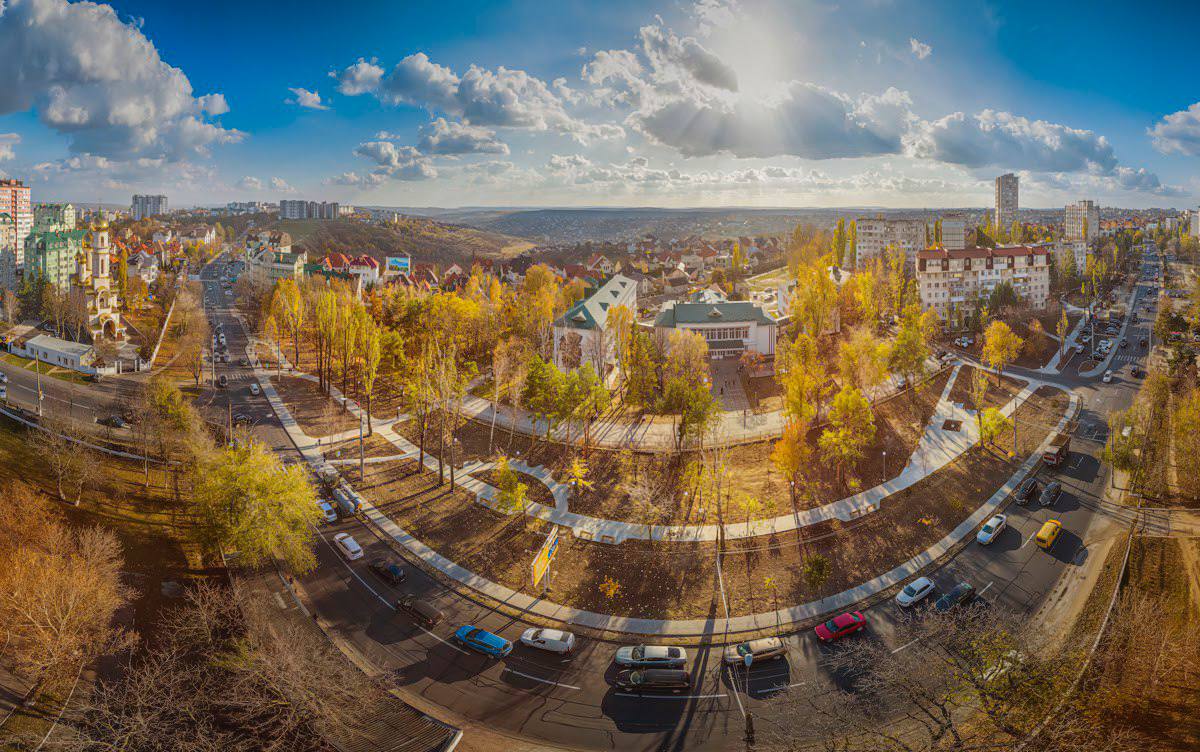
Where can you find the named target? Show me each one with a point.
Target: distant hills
(420, 237)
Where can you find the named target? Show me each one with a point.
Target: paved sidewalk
(1053, 367)
(1130, 315)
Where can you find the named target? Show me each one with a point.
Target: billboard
(545, 555)
(398, 265)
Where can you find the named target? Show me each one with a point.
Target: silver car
(651, 656)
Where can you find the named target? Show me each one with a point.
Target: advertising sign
(398, 265)
(541, 562)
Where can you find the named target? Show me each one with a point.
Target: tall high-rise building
(59, 217)
(1006, 201)
(1194, 227)
(148, 206)
(301, 209)
(874, 236)
(1081, 221)
(954, 232)
(15, 201)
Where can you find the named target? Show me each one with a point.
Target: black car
(112, 421)
(1144, 342)
(420, 611)
(961, 594)
(242, 419)
(388, 571)
(1050, 493)
(654, 680)
(1138, 373)
(243, 362)
(1027, 490)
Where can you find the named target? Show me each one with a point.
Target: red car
(841, 625)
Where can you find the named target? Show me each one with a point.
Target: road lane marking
(386, 602)
(539, 679)
(986, 587)
(668, 697)
(905, 645)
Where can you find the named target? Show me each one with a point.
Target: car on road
(654, 680)
(1027, 490)
(255, 389)
(1107, 377)
(1048, 534)
(347, 546)
(763, 649)
(915, 592)
(222, 381)
(550, 640)
(388, 571)
(327, 511)
(1050, 493)
(960, 595)
(991, 530)
(1138, 372)
(112, 421)
(841, 625)
(482, 641)
(651, 656)
(964, 342)
(1124, 342)
(422, 612)
(242, 419)
(243, 362)
(3, 378)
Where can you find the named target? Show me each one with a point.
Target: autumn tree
(992, 425)
(863, 359)
(247, 501)
(851, 430)
(1001, 345)
(288, 308)
(792, 455)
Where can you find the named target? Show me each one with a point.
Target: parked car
(255, 389)
(347, 546)
(763, 649)
(388, 571)
(242, 419)
(991, 529)
(327, 511)
(1138, 372)
(654, 680)
(841, 625)
(915, 592)
(651, 656)
(550, 640)
(222, 381)
(112, 421)
(243, 362)
(1048, 534)
(482, 641)
(1027, 490)
(419, 611)
(3, 378)
(1050, 493)
(960, 595)
(1107, 377)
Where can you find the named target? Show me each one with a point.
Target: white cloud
(102, 83)
(442, 137)
(919, 48)
(503, 98)
(281, 185)
(250, 183)
(678, 58)
(354, 179)
(310, 100)
(714, 14)
(1178, 132)
(397, 162)
(8, 142)
(1000, 139)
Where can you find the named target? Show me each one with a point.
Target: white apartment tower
(148, 206)
(1081, 221)
(1006, 200)
(954, 233)
(1194, 228)
(873, 236)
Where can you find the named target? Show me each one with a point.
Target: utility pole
(362, 462)
(37, 369)
(229, 421)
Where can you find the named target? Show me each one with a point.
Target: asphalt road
(570, 703)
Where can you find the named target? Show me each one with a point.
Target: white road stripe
(985, 587)
(668, 697)
(539, 679)
(905, 645)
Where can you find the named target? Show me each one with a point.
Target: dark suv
(421, 612)
(1050, 493)
(962, 594)
(654, 680)
(1027, 491)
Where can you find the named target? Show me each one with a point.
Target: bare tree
(71, 463)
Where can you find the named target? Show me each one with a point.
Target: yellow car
(1048, 534)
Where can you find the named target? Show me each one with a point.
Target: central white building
(582, 334)
(1081, 221)
(873, 236)
(729, 328)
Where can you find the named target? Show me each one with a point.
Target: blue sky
(679, 103)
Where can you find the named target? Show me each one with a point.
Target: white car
(651, 656)
(550, 640)
(991, 529)
(327, 511)
(914, 592)
(1107, 378)
(255, 390)
(348, 547)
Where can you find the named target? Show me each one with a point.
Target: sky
(679, 103)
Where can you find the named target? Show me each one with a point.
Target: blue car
(483, 641)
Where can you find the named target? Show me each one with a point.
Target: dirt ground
(676, 580)
(997, 395)
(316, 413)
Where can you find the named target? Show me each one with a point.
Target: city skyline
(709, 103)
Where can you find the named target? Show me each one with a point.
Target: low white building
(581, 334)
(57, 352)
(143, 265)
(730, 328)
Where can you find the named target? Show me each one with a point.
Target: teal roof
(592, 311)
(731, 312)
